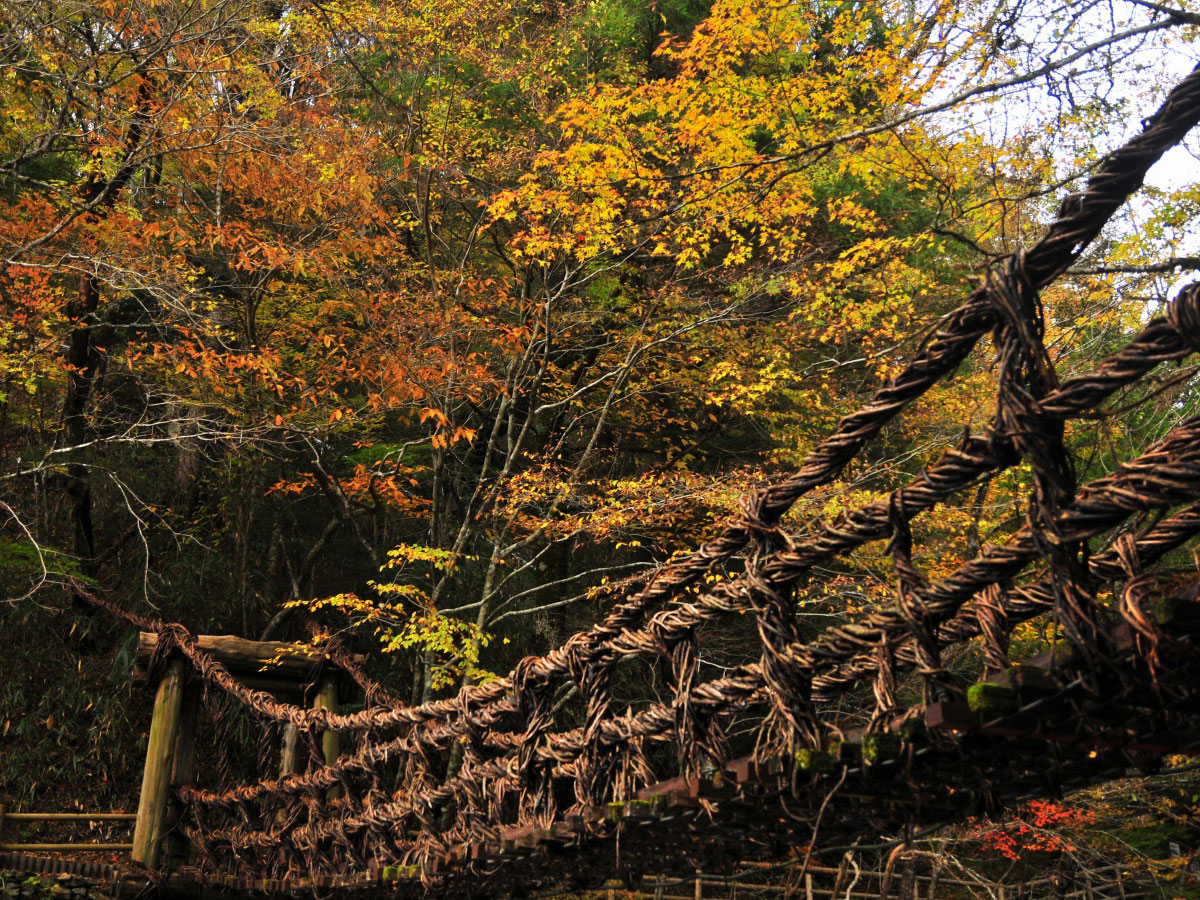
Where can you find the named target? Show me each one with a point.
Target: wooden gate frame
(282, 669)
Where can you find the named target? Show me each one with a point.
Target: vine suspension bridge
(527, 803)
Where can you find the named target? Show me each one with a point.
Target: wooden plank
(160, 753)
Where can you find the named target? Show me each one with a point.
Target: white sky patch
(1077, 113)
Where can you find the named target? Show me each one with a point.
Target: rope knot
(1184, 315)
(171, 636)
(752, 517)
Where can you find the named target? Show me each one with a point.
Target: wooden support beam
(271, 662)
(160, 756)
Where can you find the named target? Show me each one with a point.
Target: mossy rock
(878, 747)
(816, 761)
(988, 699)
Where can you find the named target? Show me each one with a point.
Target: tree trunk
(83, 362)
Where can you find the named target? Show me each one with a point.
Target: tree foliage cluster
(439, 322)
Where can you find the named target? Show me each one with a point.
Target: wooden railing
(7, 817)
(1109, 882)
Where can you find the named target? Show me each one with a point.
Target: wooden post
(289, 757)
(156, 777)
(331, 743)
(908, 879)
(183, 761)
(841, 874)
(327, 698)
(3, 810)
(183, 767)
